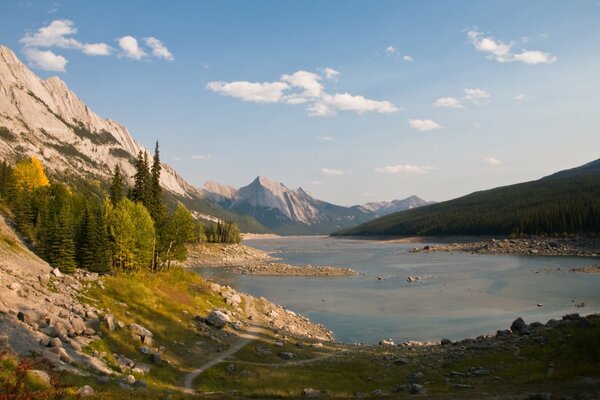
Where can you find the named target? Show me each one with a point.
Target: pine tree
(94, 249)
(156, 207)
(141, 180)
(116, 187)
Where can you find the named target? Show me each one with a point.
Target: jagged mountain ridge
(44, 118)
(289, 211)
(382, 208)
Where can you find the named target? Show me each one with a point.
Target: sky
(354, 101)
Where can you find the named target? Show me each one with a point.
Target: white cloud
(320, 109)
(201, 157)
(391, 51)
(325, 138)
(448, 102)
(491, 161)
(359, 104)
(45, 60)
(53, 35)
(535, 57)
(316, 182)
(403, 170)
(503, 52)
(318, 102)
(328, 171)
(58, 34)
(331, 73)
(520, 98)
(408, 58)
(477, 96)
(424, 124)
(158, 49)
(266, 92)
(97, 49)
(131, 48)
(308, 81)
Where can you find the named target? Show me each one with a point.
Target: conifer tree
(141, 180)
(94, 249)
(156, 207)
(116, 187)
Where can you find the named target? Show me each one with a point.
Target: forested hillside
(567, 202)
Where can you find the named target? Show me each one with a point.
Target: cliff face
(46, 119)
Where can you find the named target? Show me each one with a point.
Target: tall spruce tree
(156, 208)
(94, 249)
(116, 187)
(141, 180)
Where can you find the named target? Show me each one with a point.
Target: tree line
(129, 229)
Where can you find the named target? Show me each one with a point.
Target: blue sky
(355, 101)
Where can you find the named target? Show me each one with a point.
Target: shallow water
(459, 295)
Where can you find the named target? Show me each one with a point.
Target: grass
(165, 303)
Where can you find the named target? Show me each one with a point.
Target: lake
(458, 295)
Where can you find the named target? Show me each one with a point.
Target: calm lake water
(459, 295)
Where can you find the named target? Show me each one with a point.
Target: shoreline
(245, 260)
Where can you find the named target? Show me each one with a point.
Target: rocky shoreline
(579, 246)
(244, 260)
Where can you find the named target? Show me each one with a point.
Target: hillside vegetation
(567, 202)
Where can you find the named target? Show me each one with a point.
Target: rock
(109, 320)
(286, 355)
(411, 279)
(55, 342)
(129, 379)
(218, 319)
(478, 371)
(62, 354)
(98, 365)
(78, 325)
(141, 333)
(91, 332)
(144, 368)
(215, 287)
(85, 391)
(462, 386)
(519, 326)
(40, 376)
(308, 392)
(400, 361)
(414, 377)
(3, 342)
(445, 342)
(56, 272)
(379, 393)
(14, 286)
(414, 388)
(386, 342)
(30, 317)
(230, 368)
(44, 279)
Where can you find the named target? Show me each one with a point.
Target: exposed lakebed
(457, 295)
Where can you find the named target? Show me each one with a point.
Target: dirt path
(250, 335)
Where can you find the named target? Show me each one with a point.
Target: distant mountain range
(297, 212)
(567, 202)
(46, 119)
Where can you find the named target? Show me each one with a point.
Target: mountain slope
(46, 119)
(567, 201)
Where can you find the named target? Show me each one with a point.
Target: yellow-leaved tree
(29, 175)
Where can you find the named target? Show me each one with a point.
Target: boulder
(55, 342)
(414, 388)
(218, 319)
(445, 342)
(85, 391)
(110, 323)
(30, 317)
(78, 325)
(56, 272)
(286, 355)
(129, 379)
(141, 333)
(308, 392)
(519, 326)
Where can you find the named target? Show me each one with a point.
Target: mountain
(382, 208)
(567, 202)
(44, 118)
(283, 210)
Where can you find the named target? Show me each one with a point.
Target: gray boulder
(218, 319)
(85, 391)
